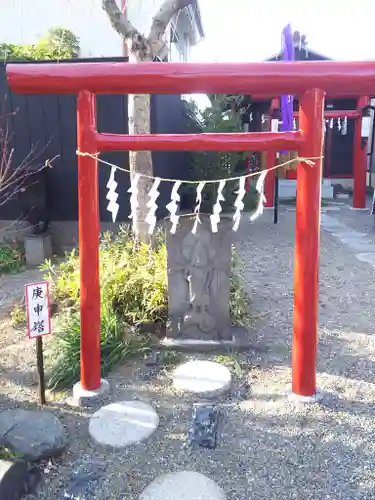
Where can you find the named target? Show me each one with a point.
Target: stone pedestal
(199, 267)
(37, 249)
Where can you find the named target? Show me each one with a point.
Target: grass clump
(134, 293)
(117, 341)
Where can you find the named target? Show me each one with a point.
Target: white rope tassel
(217, 208)
(262, 199)
(198, 206)
(133, 190)
(152, 205)
(239, 204)
(112, 196)
(172, 207)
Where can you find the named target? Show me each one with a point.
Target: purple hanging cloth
(286, 101)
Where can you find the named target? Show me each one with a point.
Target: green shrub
(59, 43)
(134, 291)
(11, 258)
(18, 315)
(133, 280)
(239, 300)
(210, 165)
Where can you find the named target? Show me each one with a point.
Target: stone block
(13, 479)
(37, 249)
(199, 267)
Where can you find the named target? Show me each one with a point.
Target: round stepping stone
(202, 377)
(185, 485)
(123, 423)
(34, 434)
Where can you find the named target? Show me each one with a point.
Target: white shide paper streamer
(172, 207)
(112, 196)
(262, 199)
(152, 205)
(217, 208)
(198, 206)
(344, 126)
(239, 204)
(133, 190)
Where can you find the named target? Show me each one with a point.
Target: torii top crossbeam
(270, 79)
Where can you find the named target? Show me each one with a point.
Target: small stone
(152, 358)
(202, 377)
(184, 485)
(84, 480)
(34, 434)
(123, 423)
(203, 431)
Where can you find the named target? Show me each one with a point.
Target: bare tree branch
(119, 20)
(163, 17)
(143, 49)
(153, 46)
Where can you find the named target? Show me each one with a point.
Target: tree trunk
(142, 49)
(140, 162)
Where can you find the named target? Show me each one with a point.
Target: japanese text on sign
(37, 309)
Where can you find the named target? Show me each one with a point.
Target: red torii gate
(310, 81)
(359, 153)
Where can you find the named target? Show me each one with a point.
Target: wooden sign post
(38, 325)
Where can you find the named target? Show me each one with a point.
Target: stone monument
(199, 267)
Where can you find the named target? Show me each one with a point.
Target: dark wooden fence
(46, 124)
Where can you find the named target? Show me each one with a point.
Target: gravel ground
(268, 448)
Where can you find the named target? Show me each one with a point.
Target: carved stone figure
(199, 281)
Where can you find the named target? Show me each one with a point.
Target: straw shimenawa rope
(309, 161)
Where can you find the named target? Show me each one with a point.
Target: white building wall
(141, 12)
(26, 21)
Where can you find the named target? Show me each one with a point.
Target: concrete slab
(123, 423)
(367, 257)
(202, 377)
(184, 485)
(82, 397)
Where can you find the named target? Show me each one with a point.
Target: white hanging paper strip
(217, 208)
(251, 117)
(331, 123)
(263, 119)
(172, 207)
(133, 190)
(112, 196)
(238, 203)
(152, 205)
(365, 127)
(339, 123)
(262, 199)
(274, 125)
(294, 124)
(344, 127)
(198, 206)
